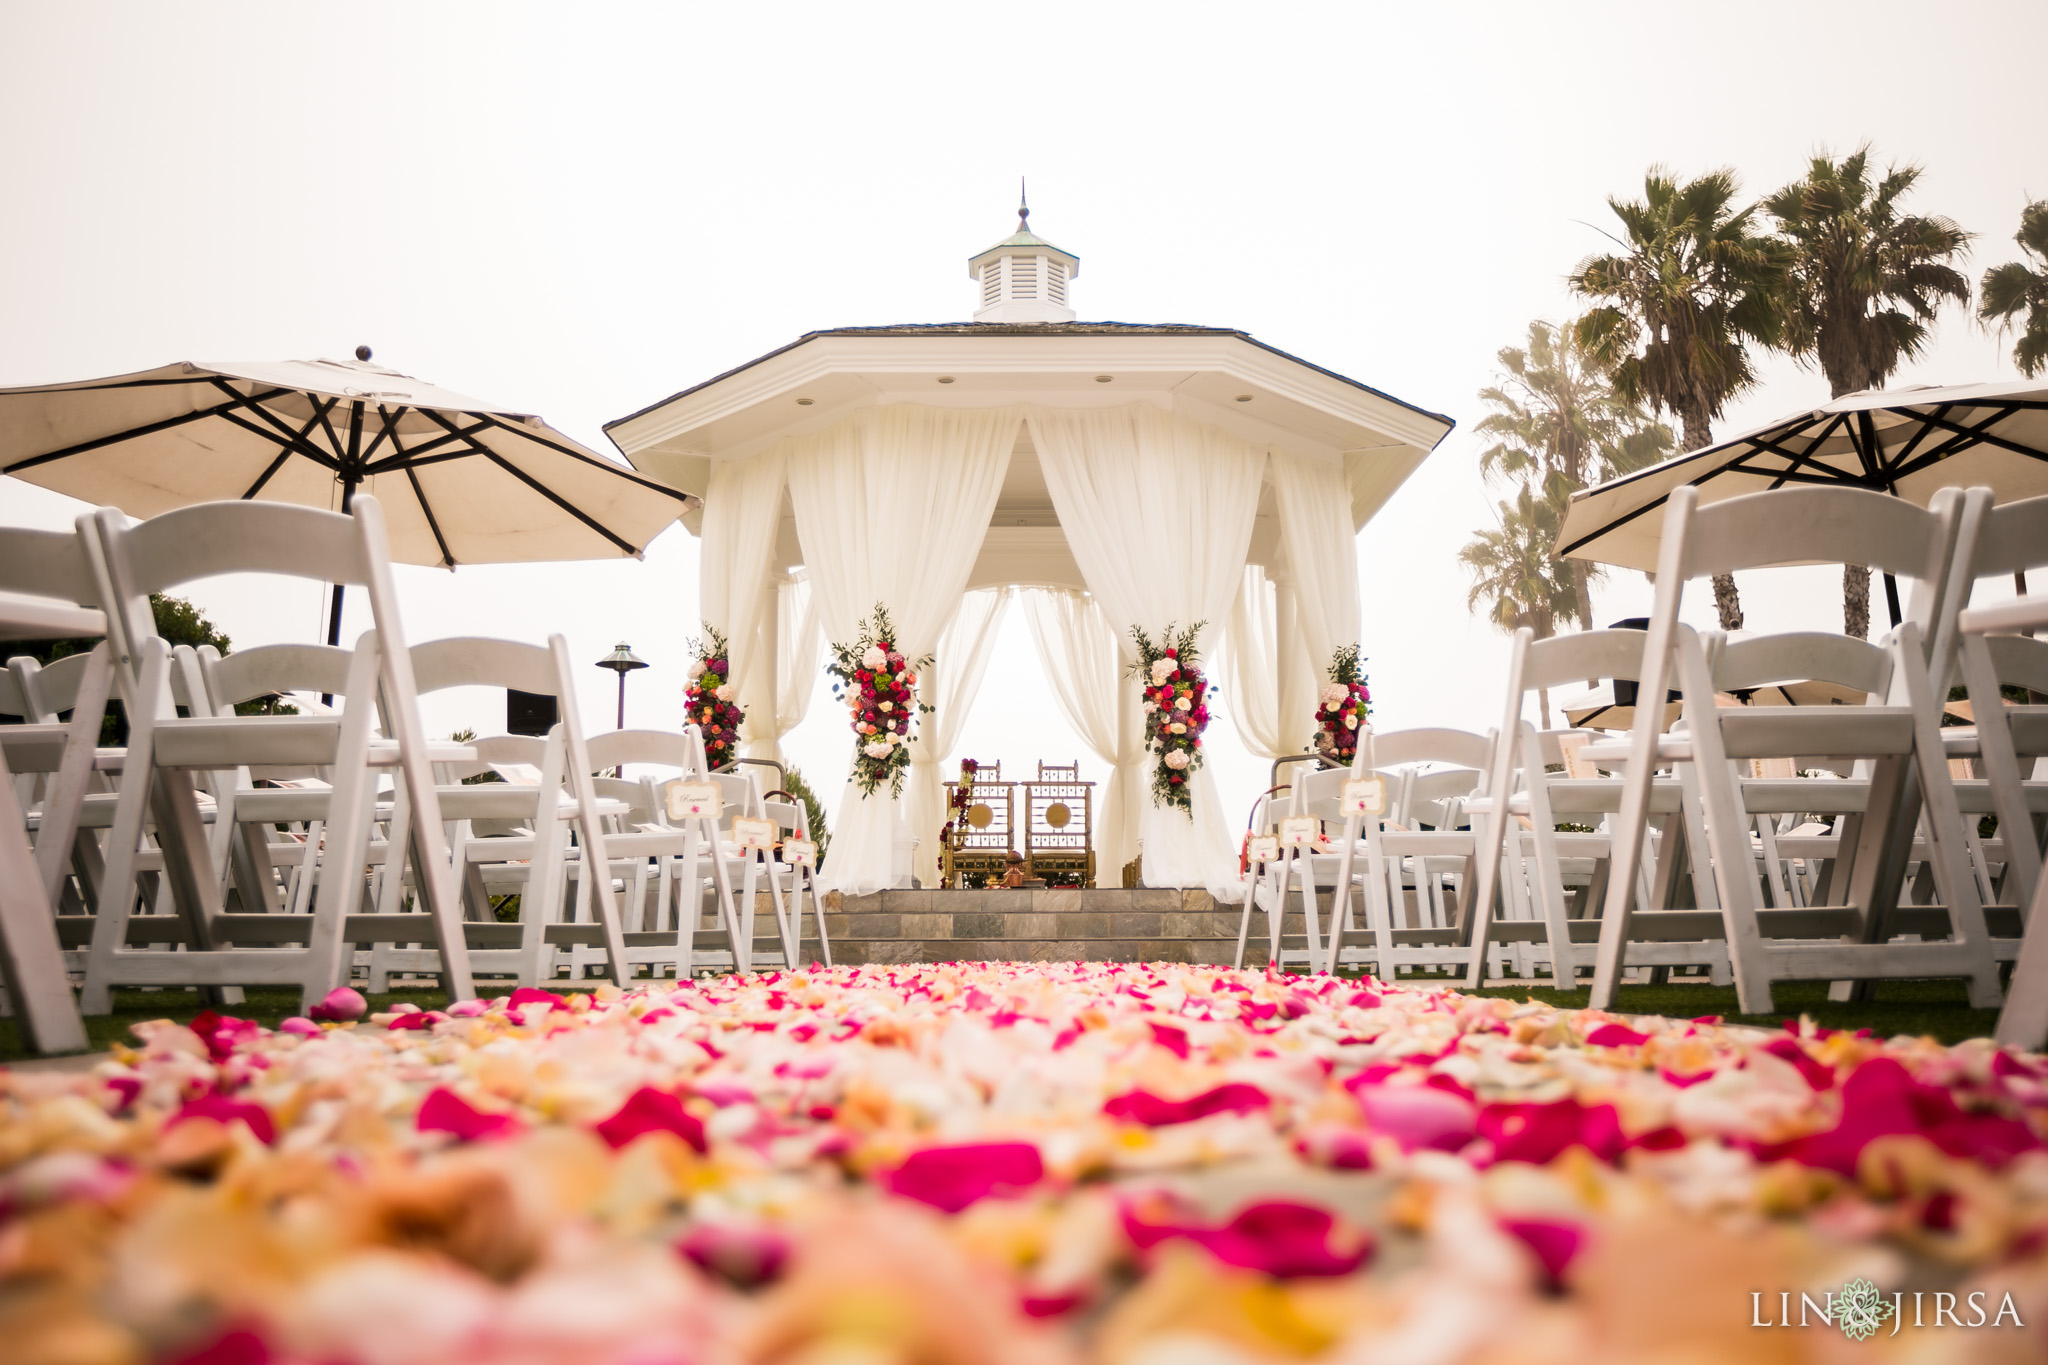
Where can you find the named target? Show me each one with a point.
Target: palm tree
(2017, 287)
(1695, 285)
(1865, 282)
(1557, 424)
(1514, 575)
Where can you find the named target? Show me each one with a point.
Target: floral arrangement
(877, 683)
(1176, 710)
(961, 797)
(1343, 707)
(1020, 1164)
(708, 699)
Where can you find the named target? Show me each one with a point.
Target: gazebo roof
(1218, 375)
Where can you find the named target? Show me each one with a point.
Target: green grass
(1935, 1008)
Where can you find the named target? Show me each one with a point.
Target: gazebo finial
(1023, 208)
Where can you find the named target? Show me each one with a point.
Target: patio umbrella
(1909, 442)
(461, 482)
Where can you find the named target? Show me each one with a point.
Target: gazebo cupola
(1023, 278)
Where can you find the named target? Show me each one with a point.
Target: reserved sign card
(1365, 796)
(1300, 831)
(799, 853)
(751, 831)
(684, 800)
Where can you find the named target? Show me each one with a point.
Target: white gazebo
(1122, 474)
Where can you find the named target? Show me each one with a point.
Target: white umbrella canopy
(1910, 442)
(461, 482)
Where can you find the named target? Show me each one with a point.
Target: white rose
(726, 693)
(1334, 696)
(1351, 722)
(695, 670)
(874, 658)
(888, 706)
(1161, 668)
(1178, 728)
(1183, 704)
(1176, 760)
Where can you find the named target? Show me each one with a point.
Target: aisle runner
(1022, 1164)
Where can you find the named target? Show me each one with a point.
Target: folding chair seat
(167, 755)
(1907, 759)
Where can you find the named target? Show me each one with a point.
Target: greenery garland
(876, 683)
(1176, 710)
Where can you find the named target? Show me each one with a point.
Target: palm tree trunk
(1581, 573)
(1693, 421)
(1856, 601)
(1543, 697)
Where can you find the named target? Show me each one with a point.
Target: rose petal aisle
(1021, 1163)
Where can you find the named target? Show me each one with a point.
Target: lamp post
(621, 661)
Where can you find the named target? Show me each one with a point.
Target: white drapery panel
(1158, 510)
(742, 507)
(1322, 554)
(798, 654)
(891, 506)
(948, 687)
(1085, 670)
(1247, 665)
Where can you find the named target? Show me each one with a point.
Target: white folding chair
(1908, 762)
(165, 751)
(542, 806)
(674, 849)
(47, 590)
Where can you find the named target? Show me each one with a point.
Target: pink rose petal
(1419, 1116)
(444, 1111)
(341, 1005)
(1142, 1106)
(1276, 1237)
(1553, 1241)
(648, 1110)
(951, 1178)
(1616, 1035)
(224, 1110)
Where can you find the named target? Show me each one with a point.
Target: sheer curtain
(1322, 554)
(1158, 510)
(948, 687)
(1247, 664)
(742, 507)
(891, 506)
(779, 698)
(1085, 670)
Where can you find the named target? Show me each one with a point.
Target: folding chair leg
(31, 962)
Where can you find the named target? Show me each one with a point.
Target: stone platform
(1109, 925)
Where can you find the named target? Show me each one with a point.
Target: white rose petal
(1178, 728)
(1183, 704)
(1351, 722)
(888, 706)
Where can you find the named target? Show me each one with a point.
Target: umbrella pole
(348, 497)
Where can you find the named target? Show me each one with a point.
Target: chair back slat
(657, 748)
(1817, 525)
(2014, 539)
(1802, 656)
(273, 670)
(2019, 661)
(465, 661)
(1583, 655)
(47, 564)
(1400, 748)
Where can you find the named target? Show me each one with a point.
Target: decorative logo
(1860, 1310)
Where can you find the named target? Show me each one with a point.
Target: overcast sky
(578, 209)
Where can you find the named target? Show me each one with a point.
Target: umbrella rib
(530, 482)
(307, 448)
(426, 509)
(1979, 436)
(136, 433)
(282, 455)
(527, 433)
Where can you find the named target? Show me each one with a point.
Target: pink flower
(300, 1025)
(648, 1110)
(1540, 1133)
(1616, 1035)
(1275, 1238)
(341, 1005)
(1881, 1099)
(1419, 1116)
(223, 1110)
(951, 1178)
(444, 1111)
(745, 1257)
(1142, 1106)
(1553, 1241)
(1174, 1040)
